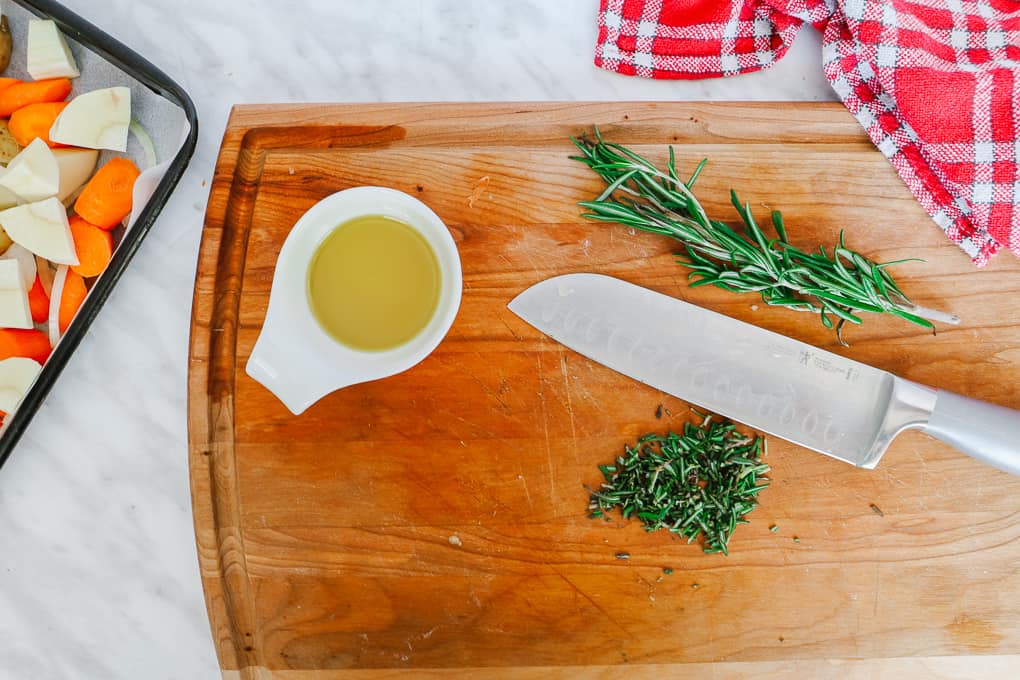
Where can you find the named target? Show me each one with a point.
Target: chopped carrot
(106, 199)
(34, 121)
(20, 95)
(93, 245)
(7, 82)
(39, 301)
(71, 298)
(30, 343)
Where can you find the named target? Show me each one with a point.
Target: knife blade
(775, 384)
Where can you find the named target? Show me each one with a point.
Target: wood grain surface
(436, 520)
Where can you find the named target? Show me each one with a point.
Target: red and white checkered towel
(936, 84)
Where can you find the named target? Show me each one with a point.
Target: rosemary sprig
(837, 286)
(702, 482)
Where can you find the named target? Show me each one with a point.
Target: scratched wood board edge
(943, 667)
(214, 323)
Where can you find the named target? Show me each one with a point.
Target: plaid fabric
(936, 84)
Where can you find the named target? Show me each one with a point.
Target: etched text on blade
(779, 386)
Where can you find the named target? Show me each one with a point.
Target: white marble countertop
(98, 573)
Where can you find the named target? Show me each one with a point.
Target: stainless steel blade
(775, 384)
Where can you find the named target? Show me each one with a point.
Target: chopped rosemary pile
(698, 483)
(837, 286)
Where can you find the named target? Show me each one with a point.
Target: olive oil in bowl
(367, 284)
(374, 283)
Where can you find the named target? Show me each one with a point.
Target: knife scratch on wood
(599, 608)
(524, 483)
(545, 426)
(478, 191)
(569, 403)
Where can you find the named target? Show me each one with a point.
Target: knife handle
(984, 431)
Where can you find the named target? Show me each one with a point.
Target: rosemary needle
(837, 286)
(701, 482)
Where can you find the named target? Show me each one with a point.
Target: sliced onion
(58, 292)
(45, 274)
(145, 141)
(5, 240)
(26, 263)
(73, 196)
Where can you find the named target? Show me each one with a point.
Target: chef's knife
(772, 383)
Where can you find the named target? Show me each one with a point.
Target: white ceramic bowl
(294, 357)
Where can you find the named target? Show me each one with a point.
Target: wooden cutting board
(437, 519)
